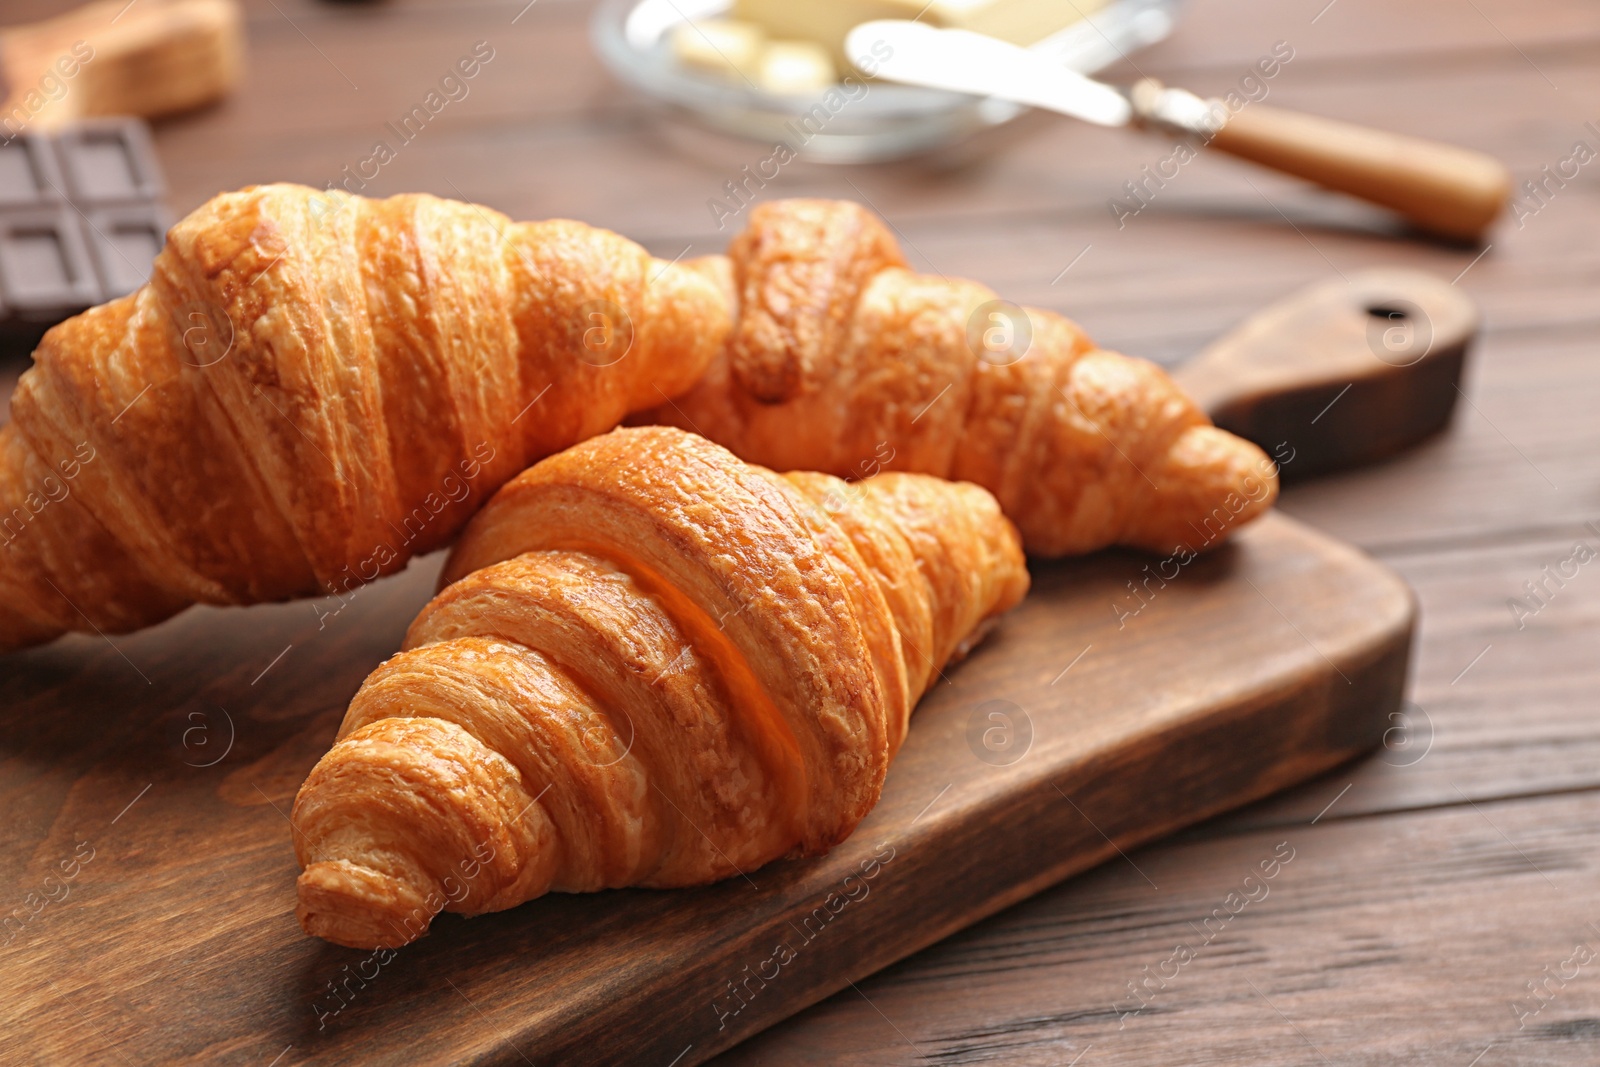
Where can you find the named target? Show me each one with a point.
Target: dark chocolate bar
(81, 219)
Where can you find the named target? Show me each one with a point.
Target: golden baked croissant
(844, 361)
(657, 665)
(313, 388)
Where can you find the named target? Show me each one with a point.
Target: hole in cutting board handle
(1347, 371)
(1387, 311)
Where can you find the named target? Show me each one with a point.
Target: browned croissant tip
(358, 907)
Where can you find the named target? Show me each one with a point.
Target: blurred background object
(775, 70)
(113, 57)
(1447, 191)
(797, 72)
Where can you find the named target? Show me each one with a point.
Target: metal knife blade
(960, 61)
(1442, 189)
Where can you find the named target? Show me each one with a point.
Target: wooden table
(1439, 908)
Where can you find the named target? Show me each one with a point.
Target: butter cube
(824, 21)
(1018, 21)
(728, 47)
(827, 22)
(796, 67)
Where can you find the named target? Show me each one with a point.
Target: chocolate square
(124, 241)
(109, 161)
(81, 220)
(29, 176)
(45, 269)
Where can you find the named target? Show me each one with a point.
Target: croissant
(844, 361)
(311, 389)
(651, 664)
(315, 387)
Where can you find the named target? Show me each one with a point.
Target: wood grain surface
(155, 847)
(1418, 908)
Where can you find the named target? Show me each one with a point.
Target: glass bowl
(877, 120)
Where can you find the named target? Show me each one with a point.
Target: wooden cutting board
(146, 864)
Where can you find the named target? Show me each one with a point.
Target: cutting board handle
(1448, 191)
(1343, 373)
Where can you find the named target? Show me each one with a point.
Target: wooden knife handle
(1449, 191)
